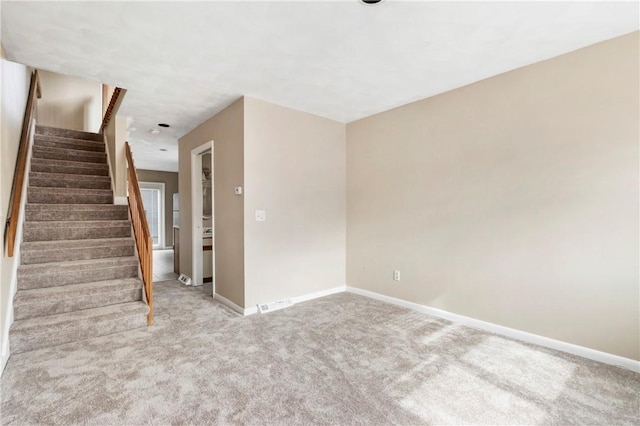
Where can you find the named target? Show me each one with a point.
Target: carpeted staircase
(78, 276)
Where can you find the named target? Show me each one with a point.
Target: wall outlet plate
(184, 279)
(237, 190)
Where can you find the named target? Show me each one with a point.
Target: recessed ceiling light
(163, 149)
(163, 125)
(370, 2)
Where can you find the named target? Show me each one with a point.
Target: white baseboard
(120, 200)
(305, 297)
(4, 358)
(535, 339)
(318, 294)
(232, 305)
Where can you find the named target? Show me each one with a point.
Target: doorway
(202, 216)
(153, 201)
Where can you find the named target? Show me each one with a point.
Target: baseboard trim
(319, 294)
(242, 311)
(299, 299)
(3, 360)
(120, 200)
(524, 336)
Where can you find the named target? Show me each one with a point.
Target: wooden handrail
(117, 92)
(21, 165)
(144, 242)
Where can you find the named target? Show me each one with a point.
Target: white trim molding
(299, 299)
(535, 339)
(242, 311)
(319, 294)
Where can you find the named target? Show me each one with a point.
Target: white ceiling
(183, 62)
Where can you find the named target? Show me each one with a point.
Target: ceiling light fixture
(163, 149)
(370, 2)
(155, 131)
(165, 125)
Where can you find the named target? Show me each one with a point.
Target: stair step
(61, 180)
(68, 133)
(75, 297)
(41, 275)
(49, 195)
(76, 230)
(75, 212)
(70, 250)
(68, 167)
(69, 154)
(36, 333)
(69, 143)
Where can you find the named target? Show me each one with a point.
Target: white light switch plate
(261, 215)
(238, 190)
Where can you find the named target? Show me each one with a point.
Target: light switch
(261, 215)
(238, 190)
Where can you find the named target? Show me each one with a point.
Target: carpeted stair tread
(69, 167)
(74, 244)
(55, 300)
(70, 250)
(75, 212)
(68, 154)
(50, 195)
(76, 230)
(64, 180)
(40, 275)
(61, 320)
(75, 265)
(68, 133)
(36, 333)
(62, 142)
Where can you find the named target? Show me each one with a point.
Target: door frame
(196, 215)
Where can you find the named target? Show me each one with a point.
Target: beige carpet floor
(341, 360)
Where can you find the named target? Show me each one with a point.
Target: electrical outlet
(396, 275)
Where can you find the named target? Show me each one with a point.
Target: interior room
(352, 212)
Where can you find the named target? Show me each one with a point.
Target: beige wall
(70, 102)
(115, 137)
(294, 170)
(513, 200)
(226, 129)
(14, 89)
(170, 180)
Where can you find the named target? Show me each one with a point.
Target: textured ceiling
(183, 62)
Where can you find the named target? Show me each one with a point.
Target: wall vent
(274, 306)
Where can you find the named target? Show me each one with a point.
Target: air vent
(274, 306)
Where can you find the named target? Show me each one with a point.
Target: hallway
(163, 265)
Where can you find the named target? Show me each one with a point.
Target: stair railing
(144, 243)
(115, 97)
(21, 165)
